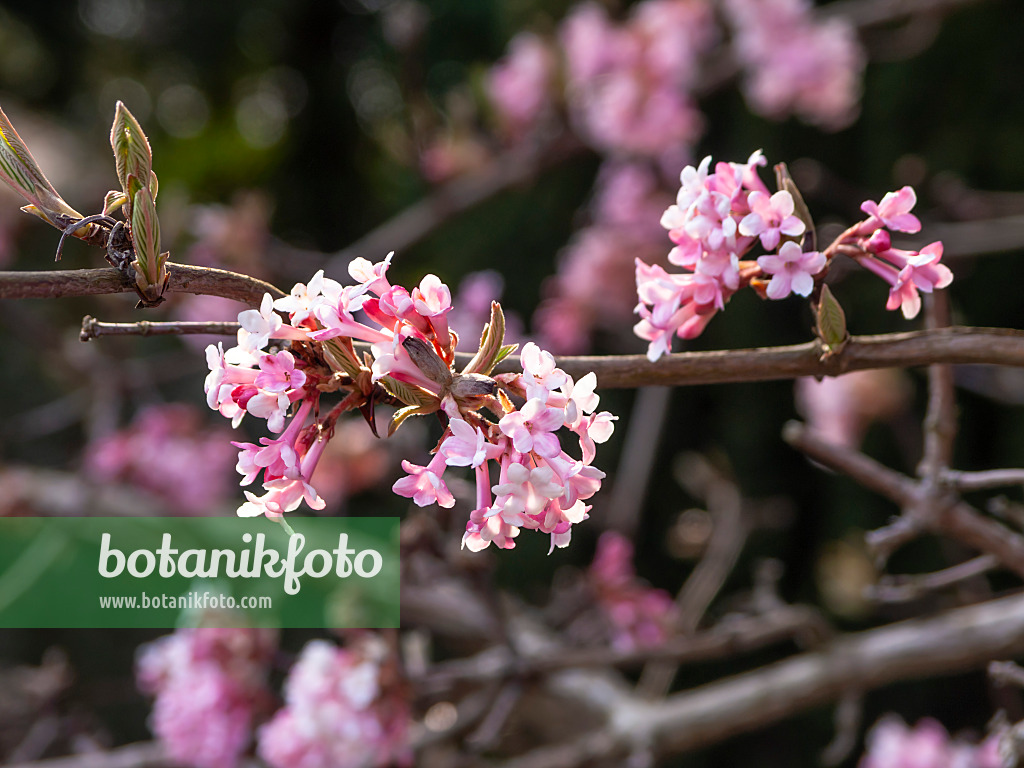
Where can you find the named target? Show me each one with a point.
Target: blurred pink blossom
(168, 452)
(796, 64)
(520, 85)
(891, 744)
(841, 408)
(210, 686)
(342, 709)
(640, 616)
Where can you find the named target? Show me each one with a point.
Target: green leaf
(20, 172)
(409, 393)
(340, 359)
(132, 154)
(831, 321)
(146, 238)
(402, 414)
(504, 352)
(113, 200)
(491, 341)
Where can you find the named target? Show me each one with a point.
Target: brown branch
(729, 638)
(940, 418)
(984, 480)
(93, 328)
(144, 754)
(955, 641)
(957, 345)
(944, 515)
(59, 283)
(902, 589)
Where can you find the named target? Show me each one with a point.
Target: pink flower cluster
(210, 686)
(167, 452)
(629, 85)
(796, 64)
(906, 272)
(341, 711)
(540, 486)
(640, 616)
(717, 218)
(520, 85)
(891, 744)
(413, 350)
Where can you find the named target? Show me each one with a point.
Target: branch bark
(958, 640)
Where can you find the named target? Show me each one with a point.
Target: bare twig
(93, 328)
(730, 637)
(58, 283)
(982, 481)
(903, 588)
(940, 419)
(945, 515)
(639, 451)
(960, 639)
(1006, 673)
(145, 754)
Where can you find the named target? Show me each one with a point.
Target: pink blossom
(278, 373)
(433, 301)
(792, 270)
(520, 84)
(467, 446)
(284, 494)
(209, 686)
(338, 712)
(640, 617)
(525, 491)
(891, 744)
(907, 272)
(540, 373)
(484, 528)
(771, 218)
(336, 319)
(894, 211)
(424, 484)
(303, 299)
(531, 427)
(264, 324)
(815, 75)
(371, 277)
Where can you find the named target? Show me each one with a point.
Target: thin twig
(639, 452)
(146, 754)
(904, 588)
(93, 328)
(729, 638)
(58, 283)
(724, 546)
(982, 481)
(940, 418)
(1006, 673)
(960, 639)
(946, 515)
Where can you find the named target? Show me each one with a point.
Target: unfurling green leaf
(785, 182)
(831, 322)
(149, 263)
(132, 154)
(341, 359)
(19, 170)
(491, 340)
(402, 414)
(113, 200)
(410, 394)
